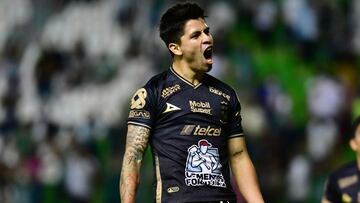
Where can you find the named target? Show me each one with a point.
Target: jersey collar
(183, 79)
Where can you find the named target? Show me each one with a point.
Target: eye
(207, 31)
(195, 35)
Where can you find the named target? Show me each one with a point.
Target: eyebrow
(193, 34)
(207, 29)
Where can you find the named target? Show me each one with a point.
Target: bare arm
(136, 143)
(243, 170)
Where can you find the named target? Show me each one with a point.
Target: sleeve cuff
(138, 124)
(236, 135)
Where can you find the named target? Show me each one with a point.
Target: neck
(185, 71)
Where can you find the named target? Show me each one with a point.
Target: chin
(203, 68)
(209, 67)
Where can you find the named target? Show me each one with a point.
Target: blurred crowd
(69, 67)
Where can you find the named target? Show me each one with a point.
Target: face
(203, 149)
(196, 45)
(355, 142)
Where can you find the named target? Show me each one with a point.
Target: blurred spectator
(222, 17)
(325, 97)
(265, 18)
(298, 179)
(51, 62)
(322, 135)
(356, 25)
(80, 171)
(301, 19)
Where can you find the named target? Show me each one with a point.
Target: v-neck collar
(183, 79)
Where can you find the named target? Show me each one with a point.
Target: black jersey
(343, 185)
(190, 126)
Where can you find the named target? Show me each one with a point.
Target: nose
(207, 38)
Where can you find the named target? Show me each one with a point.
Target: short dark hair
(173, 20)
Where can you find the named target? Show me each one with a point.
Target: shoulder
(157, 80)
(156, 83)
(212, 81)
(345, 170)
(150, 91)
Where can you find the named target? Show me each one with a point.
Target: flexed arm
(196, 160)
(136, 143)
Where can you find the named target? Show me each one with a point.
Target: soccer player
(343, 185)
(191, 120)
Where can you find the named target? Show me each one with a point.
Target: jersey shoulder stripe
(138, 124)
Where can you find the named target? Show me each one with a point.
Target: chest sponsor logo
(171, 107)
(200, 130)
(170, 90)
(200, 107)
(203, 166)
(219, 92)
(138, 100)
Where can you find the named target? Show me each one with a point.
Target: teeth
(206, 47)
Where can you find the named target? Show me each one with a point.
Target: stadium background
(68, 69)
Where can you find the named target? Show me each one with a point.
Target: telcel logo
(199, 130)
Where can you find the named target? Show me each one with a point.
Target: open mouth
(208, 53)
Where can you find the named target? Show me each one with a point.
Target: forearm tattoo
(136, 143)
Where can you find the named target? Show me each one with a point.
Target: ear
(353, 145)
(175, 49)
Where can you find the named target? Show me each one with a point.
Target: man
(186, 114)
(201, 159)
(343, 185)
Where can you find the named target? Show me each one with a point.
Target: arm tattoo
(137, 140)
(136, 143)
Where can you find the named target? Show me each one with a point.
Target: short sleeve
(235, 127)
(142, 108)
